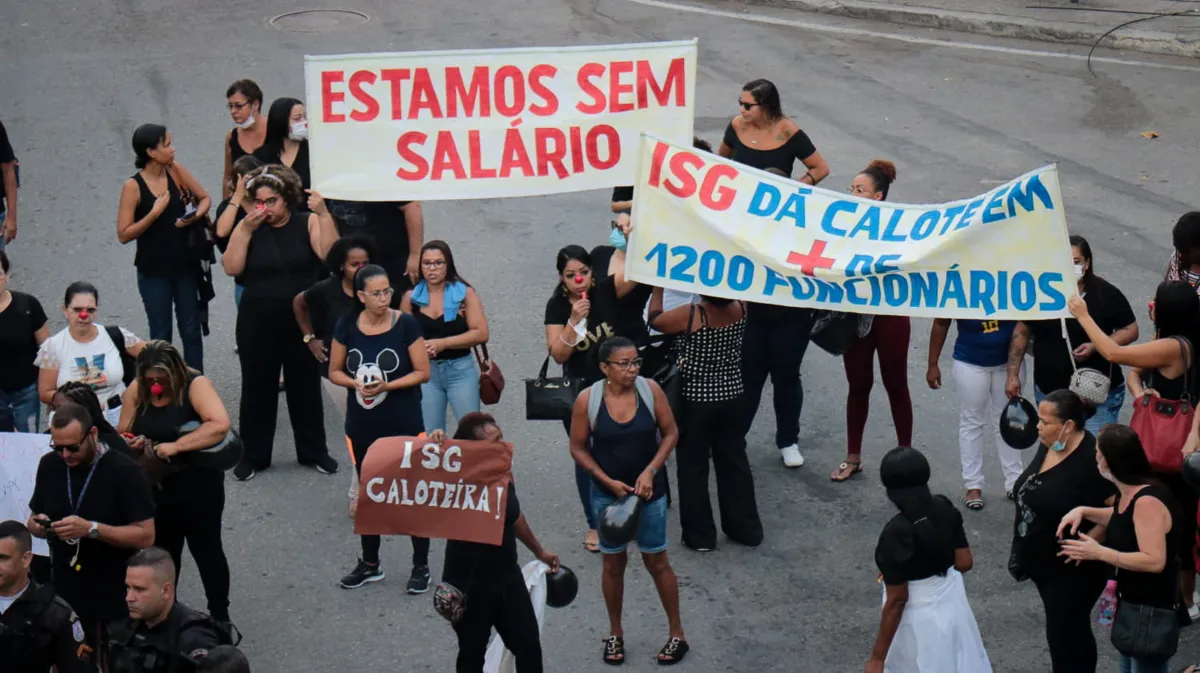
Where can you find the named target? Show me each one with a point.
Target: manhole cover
(319, 20)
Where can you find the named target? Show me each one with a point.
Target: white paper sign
(19, 456)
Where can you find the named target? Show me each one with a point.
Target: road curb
(1132, 38)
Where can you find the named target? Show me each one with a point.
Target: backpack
(127, 361)
(596, 398)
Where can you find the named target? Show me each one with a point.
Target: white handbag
(1091, 385)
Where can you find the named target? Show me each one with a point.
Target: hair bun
(887, 168)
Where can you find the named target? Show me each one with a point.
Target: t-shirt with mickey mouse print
(371, 357)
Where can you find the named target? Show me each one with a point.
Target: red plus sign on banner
(813, 260)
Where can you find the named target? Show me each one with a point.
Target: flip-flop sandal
(673, 652)
(975, 504)
(591, 541)
(854, 468)
(614, 650)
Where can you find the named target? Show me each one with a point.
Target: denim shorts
(651, 535)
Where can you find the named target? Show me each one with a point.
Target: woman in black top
(191, 499)
(490, 576)
(1061, 477)
(234, 208)
(452, 321)
(582, 313)
(1161, 367)
(154, 211)
(1141, 543)
(287, 138)
(763, 137)
(244, 99)
(1055, 360)
(23, 327)
(926, 623)
(274, 262)
(378, 353)
(609, 260)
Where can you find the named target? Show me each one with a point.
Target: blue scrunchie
(452, 297)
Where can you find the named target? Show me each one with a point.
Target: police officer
(37, 628)
(161, 635)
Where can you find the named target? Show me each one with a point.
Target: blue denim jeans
(20, 411)
(181, 290)
(453, 383)
(1109, 412)
(237, 294)
(1128, 665)
(651, 535)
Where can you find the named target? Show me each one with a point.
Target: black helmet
(224, 455)
(619, 521)
(561, 587)
(1018, 423)
(1191, 470)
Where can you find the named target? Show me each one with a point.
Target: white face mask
(248, 123)
(299, 131)
(1078, 271)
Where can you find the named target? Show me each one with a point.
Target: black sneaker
(243, 472)
(418, 582)
(325, 465)
(363, 573)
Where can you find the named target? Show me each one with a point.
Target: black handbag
(1144, 631)
(550, 399)
(833, 331)
(670, 376)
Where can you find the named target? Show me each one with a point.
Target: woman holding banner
(379, 355)
(490, 576)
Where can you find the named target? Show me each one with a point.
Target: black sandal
(673, 652)
(614, 650)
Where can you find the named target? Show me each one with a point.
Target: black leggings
(359, 443)
(510, 611)
(193, 514)
(1068, 599)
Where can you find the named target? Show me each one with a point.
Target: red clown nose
(83, 315)
(156, 389)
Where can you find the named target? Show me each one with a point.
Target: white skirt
(937, 632)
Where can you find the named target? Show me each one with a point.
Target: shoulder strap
(595, 399)
(118, 339)
(646, 393)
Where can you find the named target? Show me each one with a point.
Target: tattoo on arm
(1017, 347)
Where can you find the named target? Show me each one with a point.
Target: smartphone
(44, 521)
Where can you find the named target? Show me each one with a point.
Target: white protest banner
(489, 123)
(20, 453)
(708, 225)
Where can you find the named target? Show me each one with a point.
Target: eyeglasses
(747, 106)
(82, 309)
(626, 364)
(858, 189)
(236, 106)
(380, 294)
(69, 448)
(269, 202)
(433, 263)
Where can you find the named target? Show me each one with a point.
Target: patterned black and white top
(712, 361)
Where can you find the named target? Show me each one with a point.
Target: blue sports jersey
(983, 343)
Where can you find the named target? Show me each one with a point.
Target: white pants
(981, 400)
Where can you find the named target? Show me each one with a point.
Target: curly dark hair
(281, 180)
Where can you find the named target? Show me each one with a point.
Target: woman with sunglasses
(1063, 475)
(191, 499)
(87, 351)
(275, 253)
(244, 99)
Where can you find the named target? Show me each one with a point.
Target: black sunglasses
(746, 106)
(69, 448)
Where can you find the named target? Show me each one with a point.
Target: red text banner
(457, 490)
(492, 122)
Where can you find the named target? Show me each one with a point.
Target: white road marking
(928, 41)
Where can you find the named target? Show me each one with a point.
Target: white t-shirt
(7, 601)
(96, 363)
(671, 299)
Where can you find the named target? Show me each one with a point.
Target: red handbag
(491, 379)
(1163, 425)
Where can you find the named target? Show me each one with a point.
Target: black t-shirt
(1051, 361)
(381, 356)
(483, 566)
(601, 324)
(896, 553)
(622, 194)
(798, 147)
(161, 424)
(18, 348)
(223, 243)
(631, 309)
(1146, 588)
(327, 303)
(117, 495)
(273, 155)
(385, 224)
(6, 156)
(280, 262)
(163, 249)
(1044, 499)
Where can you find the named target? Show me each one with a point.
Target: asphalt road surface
(78, 77)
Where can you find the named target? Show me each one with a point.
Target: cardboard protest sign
(707, 225)
(454, 491)
(484, 123)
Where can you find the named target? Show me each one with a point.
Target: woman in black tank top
(452, 320)
(275, 253)
(155, 212)
(244, 99)
(190, 499)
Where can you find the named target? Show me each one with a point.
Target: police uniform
(173, 646)
(40, 630)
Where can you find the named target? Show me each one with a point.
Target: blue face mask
(1060, 445)
(617, 240)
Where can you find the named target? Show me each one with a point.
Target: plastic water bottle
(1108, 604)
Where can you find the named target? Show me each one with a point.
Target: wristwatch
(94, 531)
(309, 337)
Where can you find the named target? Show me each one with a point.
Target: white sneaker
(791, 456)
